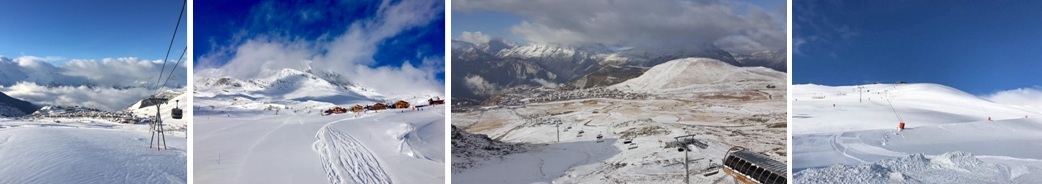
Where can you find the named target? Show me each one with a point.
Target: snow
(87, 151)
(700, 75)
(178, 99)
(375, 147)
(269, 130)
(537, 51)
(846, 138)
(747, 120)
(952, 167)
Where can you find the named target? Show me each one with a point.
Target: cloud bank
(108, 84)
(108, 72)
(731, 25)
(349, 52)
(1025, 97)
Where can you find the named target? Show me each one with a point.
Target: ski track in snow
(344, 156)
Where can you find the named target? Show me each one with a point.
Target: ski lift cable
(172, 69)
(895, 110)
(180, 15)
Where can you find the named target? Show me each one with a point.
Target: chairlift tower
(684, 142)
(156, 126)
(557, 123)
(860, 90)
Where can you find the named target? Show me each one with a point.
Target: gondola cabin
(177, 113)
(753, 168)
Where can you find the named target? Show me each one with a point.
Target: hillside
(702, 75)
(272, 129)
(839, 132)
(623, 134)
(178, 99)
(920, 104)
(12, 107)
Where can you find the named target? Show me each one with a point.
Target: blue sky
(401, 39)
(749, 25)
(977, 47)
(74, 29)
(230, 23)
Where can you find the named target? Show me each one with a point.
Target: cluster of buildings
(522, 96)
(82, 112)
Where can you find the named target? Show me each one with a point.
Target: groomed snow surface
(86, 151)
(270, 130)
(841, 136)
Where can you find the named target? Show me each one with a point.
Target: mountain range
(482, 69)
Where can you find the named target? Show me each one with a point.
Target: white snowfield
(271, 131)
(701, 75)
(839, 137)
(86, 151)
(751, 120)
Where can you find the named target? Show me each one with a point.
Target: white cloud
(479, 85)
(125, 72)
(108, 84)
(741, 44)
(666, 23)
(545, 83)
(108, 72)
(1026, 97)
(475, 38)
(109, 99)
(348, 53)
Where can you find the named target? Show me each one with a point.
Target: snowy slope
(918, 105)
(165, 109)
(701, 74)
(284, 84)
(836, 138)
(270, 130)
(581, 158)
(374, 147)
(86, 151)
(12, 107)
(721, 105)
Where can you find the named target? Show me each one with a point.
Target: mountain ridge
(487, 67)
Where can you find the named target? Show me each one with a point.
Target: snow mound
(404, 134)
(951, 167)
(701, 74)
